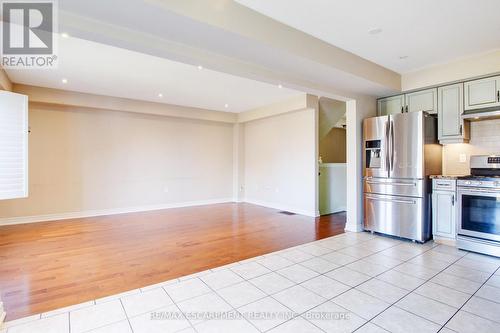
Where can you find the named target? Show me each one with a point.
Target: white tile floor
(351, 282)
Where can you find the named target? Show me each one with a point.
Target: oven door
(479, 213)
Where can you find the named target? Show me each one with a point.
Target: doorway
(332, 160)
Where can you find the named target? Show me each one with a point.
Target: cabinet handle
(453, 200)
(498, 96)
(407, 109)
(460, 129)
(402, 109)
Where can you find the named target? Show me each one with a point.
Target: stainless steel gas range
(479, 206)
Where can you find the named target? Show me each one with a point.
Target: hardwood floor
(49, 265)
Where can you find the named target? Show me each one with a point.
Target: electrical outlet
(462, 158)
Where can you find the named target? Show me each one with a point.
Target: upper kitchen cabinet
(483, 93)
(424, 100)
(451, 127)
(390, 105)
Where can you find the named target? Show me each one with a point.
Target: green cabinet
(483, 93)
(390, 105)
(444, 210)
(424, 100)
(451, 127)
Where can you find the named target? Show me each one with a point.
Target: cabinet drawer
(444, 185)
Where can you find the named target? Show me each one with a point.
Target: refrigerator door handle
(412, 202)
(392, 184)
(392, 145)
(387, 162)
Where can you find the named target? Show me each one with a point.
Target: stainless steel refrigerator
(400, 152)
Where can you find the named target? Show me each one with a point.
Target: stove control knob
(468, 182)
(479, 183)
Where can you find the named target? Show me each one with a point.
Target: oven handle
(478, 191)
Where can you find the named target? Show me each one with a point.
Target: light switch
(462, 158)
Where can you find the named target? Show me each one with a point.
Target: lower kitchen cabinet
(444, 209)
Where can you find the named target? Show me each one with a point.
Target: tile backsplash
(485, 140)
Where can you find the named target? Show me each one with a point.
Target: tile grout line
(429, 280)
(178, 308)
(230, 305)
(126, 315)
(411, 291)
(492, 274)
(323, 274)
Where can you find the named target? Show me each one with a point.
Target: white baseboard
(354, 227)
(283, 207)
(112, 211)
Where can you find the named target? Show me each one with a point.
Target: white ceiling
(106, 70)
(427, 32)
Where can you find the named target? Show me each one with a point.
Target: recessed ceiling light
(226, 105)
(280, 86)
(200, 67)
(65, 35)
(160, 95)
(403, 57)
(375, 31)
(64, 81)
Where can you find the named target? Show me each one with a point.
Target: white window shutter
(13, 145)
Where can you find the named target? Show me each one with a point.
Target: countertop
(450, 177)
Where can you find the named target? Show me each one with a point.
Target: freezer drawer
(396, 216)
(388, 186)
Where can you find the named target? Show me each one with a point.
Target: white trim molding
(279, 206)
(112, 211)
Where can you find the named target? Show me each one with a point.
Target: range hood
(481, 114)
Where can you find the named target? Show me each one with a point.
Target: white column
(357, 110)
(238, 162)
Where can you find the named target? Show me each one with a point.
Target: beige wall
(332, 147)
(485, 139)
(483, 64)
(280, 161)
(95, 160)
(5, 83)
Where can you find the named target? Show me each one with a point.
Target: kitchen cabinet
(424, 100)
(390, 105)
(483, 93)
(451, 127)
(444, 209)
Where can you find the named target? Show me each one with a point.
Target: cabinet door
(390, 105)
(450, 109)
(443, 214)
(425, 100)
(482, 93)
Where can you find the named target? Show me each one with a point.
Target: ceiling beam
(231, 16)
(176, 30)
(64, 99)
